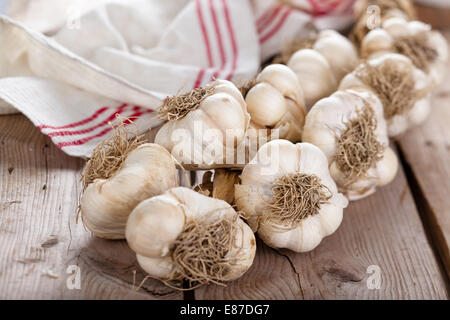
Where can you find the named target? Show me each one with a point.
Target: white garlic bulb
(403, 89)
(389, 8)
(289, 197)
(276, 102)
(205, 124)
(369, 14)
(106, 204)
(349, 127)
(426, 48)
(320, 68)
(183, 234)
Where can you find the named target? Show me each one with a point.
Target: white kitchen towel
(125, 57)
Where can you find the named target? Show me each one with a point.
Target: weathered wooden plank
(437, 17)
(427, 151)
(39, 188)
(383, 230)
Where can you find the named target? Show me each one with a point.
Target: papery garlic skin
(221, 116)
(320, 68)
(382, 40)
(274, 160)
(327, 120)
(276, 102)
(155, 224)
(399, 123)
(105, 205)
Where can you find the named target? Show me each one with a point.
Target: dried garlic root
(288, 196)
(403, 89)
(426, 48)
(205, 124)
(184, 235)
(350, 129)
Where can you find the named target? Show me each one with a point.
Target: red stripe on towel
(276, 28)
(100, 134)
(233, 40)
(87, 130)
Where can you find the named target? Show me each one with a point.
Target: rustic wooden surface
(383, 230)
(39, 236)
(427, 154)
(403, 229)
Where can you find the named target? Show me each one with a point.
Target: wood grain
(383, 230)
(427, 151)
(39, 189)
(40, 238)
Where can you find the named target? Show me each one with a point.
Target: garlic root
(183, 235)
(349, 127)
(204, 125)
(289, 197)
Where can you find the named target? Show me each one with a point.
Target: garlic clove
(284, 80)
(265, 104)
(375, 41)
(106, 204)
(276, 103)
(160, 268)
(351, 81)
(314, 74)
(415, 27)
(397, 125)
(387, 167)
(438, 42)
(305, 237)
(234, 117)
(420, 112)
(292, 122)
(242, 248)
(396, 27)
(338, 51)
(153, 225)
(225, 86)
(329, 217)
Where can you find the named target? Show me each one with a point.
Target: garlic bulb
(426, 48)
(205, 124)
(403, 89)
(275, 101)
(350, 129)
(183, 235)
(105, 205)
(320, 68)
(289, 197)
(370, 14)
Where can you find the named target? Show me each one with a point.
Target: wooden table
(401, 233)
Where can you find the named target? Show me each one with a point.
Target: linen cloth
(72, 66)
